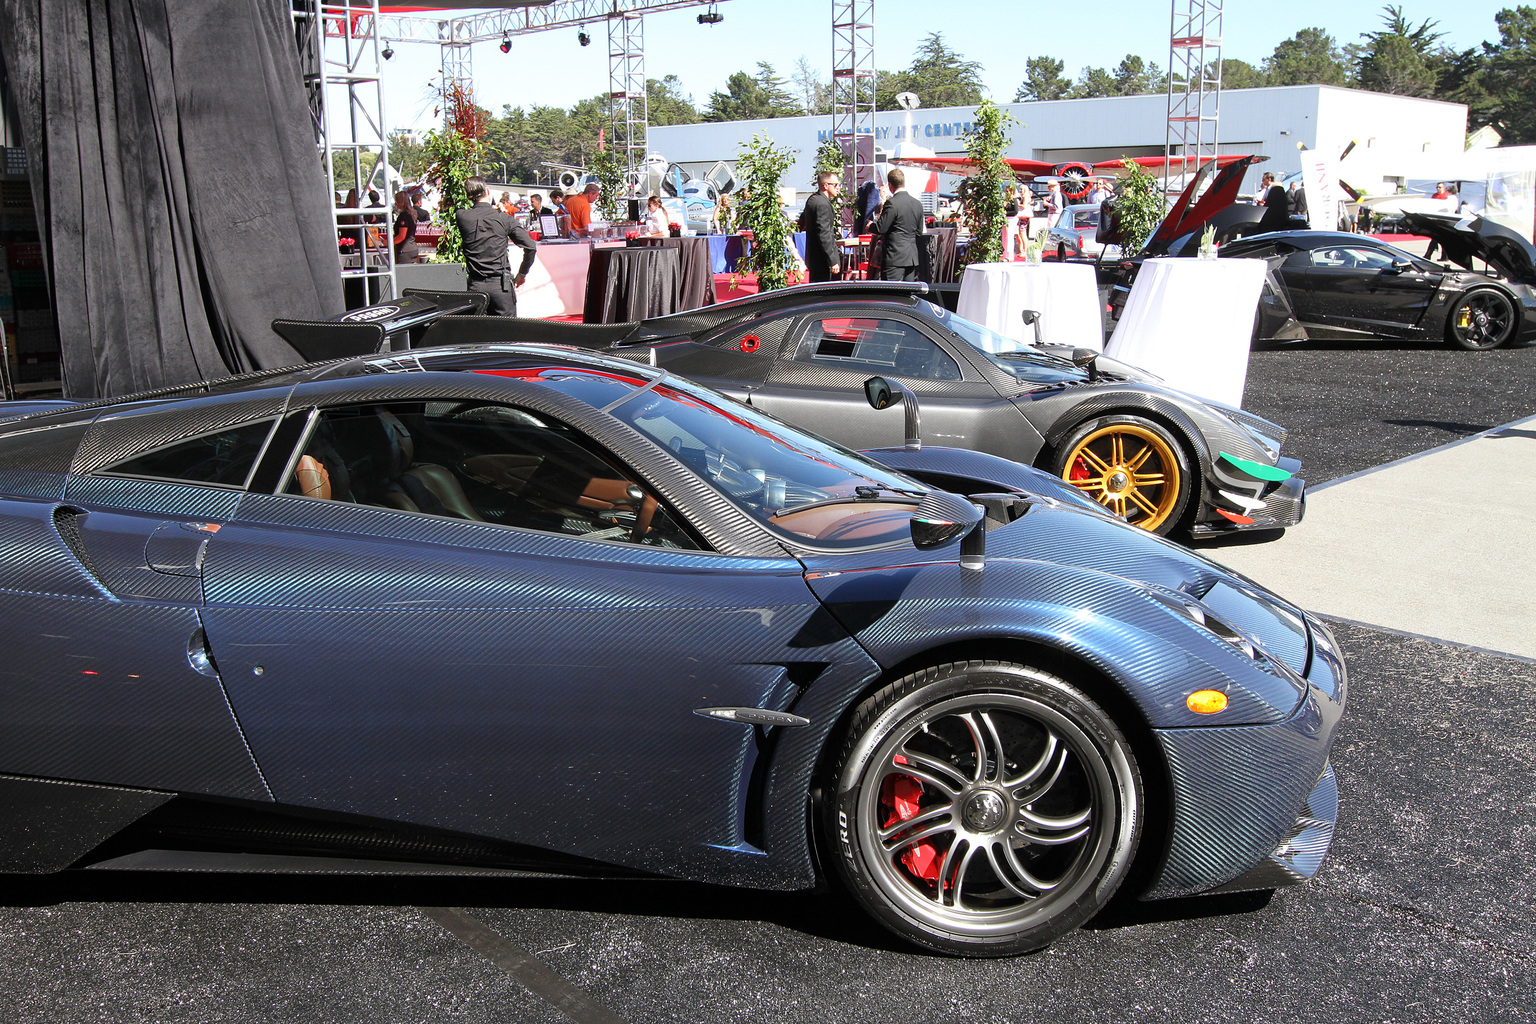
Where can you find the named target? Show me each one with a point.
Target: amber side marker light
(1206, 702)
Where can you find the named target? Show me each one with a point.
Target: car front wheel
(1132, 466)
(1481, 319)
(983, 808)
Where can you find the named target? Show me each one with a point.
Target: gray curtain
(181, 200)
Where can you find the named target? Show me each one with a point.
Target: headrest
(402, 450)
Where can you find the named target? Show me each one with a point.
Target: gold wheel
(1130, 469)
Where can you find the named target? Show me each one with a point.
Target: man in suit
(1277, 208)
(819, 222)
(900, 223)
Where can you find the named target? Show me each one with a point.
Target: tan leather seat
(312, 478)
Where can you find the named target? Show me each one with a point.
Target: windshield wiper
(861, 493)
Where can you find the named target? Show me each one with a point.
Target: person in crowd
(865, 205)
(508, 207)
(351, 234)
(720, 217)
(1277, 208)
(579, 208)
(900, 224)
(1440, 192)
(1298, 200)
(535, 209)
(823, 261)
(422, 216)
(1363, 220)
(1266, 180)
(655, 218)
(1010, 230)
(1098, 192)
(557, 207)
(374, 203)
(486, 232)
(406, 250)
(1055, 202)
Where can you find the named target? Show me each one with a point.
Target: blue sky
(552, 69)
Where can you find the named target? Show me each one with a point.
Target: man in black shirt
(486, 232)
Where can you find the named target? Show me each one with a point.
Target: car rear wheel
(1132, 466)
(983, 808)
(1481, 319)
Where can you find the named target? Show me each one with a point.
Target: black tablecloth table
(937, 261)
(697, 280)
(632, 284)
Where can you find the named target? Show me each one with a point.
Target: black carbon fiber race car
(1160, 459)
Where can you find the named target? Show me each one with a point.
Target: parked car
(1075, 232)
(1333, 285)
(512, 608)
(1161, 459)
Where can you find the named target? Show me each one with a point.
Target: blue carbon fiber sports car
(514, 608)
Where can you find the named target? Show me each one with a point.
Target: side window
(1300, 258)
(1352, 256)
(223, 458)
(480, 462)
(872, 345)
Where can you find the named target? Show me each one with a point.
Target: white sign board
(1320, 182)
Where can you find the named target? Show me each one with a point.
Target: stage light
(711, 16)
(583, 39)
(388, 53)
(506, 44)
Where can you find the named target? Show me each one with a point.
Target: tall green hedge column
(761, 165)
(985, 191)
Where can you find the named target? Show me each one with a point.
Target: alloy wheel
(1129, 469)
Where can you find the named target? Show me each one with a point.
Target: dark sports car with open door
(1332, 285)
(503, 609)
(1161, 459)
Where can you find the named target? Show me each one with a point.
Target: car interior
(479, 462)
(875, 345)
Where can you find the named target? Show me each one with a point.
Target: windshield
(799, 485)
(1025, 362)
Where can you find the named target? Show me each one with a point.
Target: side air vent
(67, 520)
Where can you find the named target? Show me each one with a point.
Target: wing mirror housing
(883, 393)
(1398, 267)
(1032, 319)
(1086, 359)
(941, 517)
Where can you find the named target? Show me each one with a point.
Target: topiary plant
(985, 192)
(760, 166)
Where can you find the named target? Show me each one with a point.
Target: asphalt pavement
(1422, 912)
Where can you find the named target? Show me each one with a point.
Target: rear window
(223, 459)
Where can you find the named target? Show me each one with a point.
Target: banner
(1320, 183)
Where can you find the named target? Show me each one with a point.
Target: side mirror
(1397, 267)
(883, 393)
(1086, 359)
(1032, 319)
(941, 517)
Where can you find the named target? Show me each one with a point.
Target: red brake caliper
(899, 796)
(1079, 470)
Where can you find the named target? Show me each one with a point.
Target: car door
(1356, 288)
(817, 383)
(459, 614)
(107, 678)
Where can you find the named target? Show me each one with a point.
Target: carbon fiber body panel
(1092, 608)
(543, 696)
(114, 436)
(49, 824)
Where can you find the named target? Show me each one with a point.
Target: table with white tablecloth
(1190, 322)
(1066, 295)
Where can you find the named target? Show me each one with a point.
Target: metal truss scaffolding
(853, 87)
(628, 109)
(339, 57)
(1194, 87)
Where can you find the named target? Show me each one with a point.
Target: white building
(1396, 137)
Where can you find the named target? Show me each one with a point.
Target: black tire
(1167, 500)
(1013, 770)
(1482, 319)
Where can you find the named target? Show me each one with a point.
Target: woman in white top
(655, 219)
